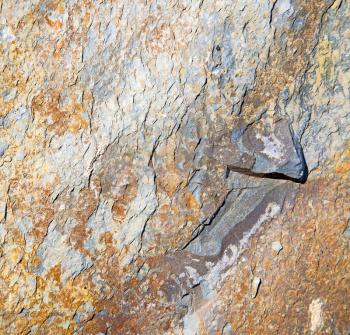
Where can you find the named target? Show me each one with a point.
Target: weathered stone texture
(175, 167)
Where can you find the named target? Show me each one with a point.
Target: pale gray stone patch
(70, 158)
(140, 210)
(3, 147)
(256, 282)
(184, 303)
(83, 311)
(3, 232)
(227, 330)
(207, 291)
(9, 94)
(25, 226)
(100, 222)
(18, 121)
(19, 156)
(56, 250)
(6, 34)
(282, 10)
(277, 246)
(191, 324)
(346, 232)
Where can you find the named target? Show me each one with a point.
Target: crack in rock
(274, 149)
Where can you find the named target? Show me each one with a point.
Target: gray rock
(3, 148)
(276, 151)
(227, 330)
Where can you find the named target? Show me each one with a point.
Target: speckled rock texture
(175, 167)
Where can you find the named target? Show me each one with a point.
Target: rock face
(175, 167)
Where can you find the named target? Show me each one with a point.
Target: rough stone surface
(175, 167)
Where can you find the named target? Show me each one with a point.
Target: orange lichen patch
(61, 44)
(73, 294)
(55, 24)
(169, 182)
(343, 165)
(120, 206)
(160, 38)
(119, 211)
(59, 303)
(122, 202)
(85, 205)
(81, 211)
(170, 178)
(11, 78)
(190, 201)
(96, 326)
(118, 182)
(46, 107)
(54, 274)
(21, 290)
(163, 212)
(77, 122)
(181, 214)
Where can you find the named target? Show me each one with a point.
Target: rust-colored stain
(314, 264)
(55, 24)
(46, 107)
(285, 65)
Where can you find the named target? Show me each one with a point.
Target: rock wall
(175, 167)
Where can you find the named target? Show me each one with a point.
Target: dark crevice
(271, 175)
